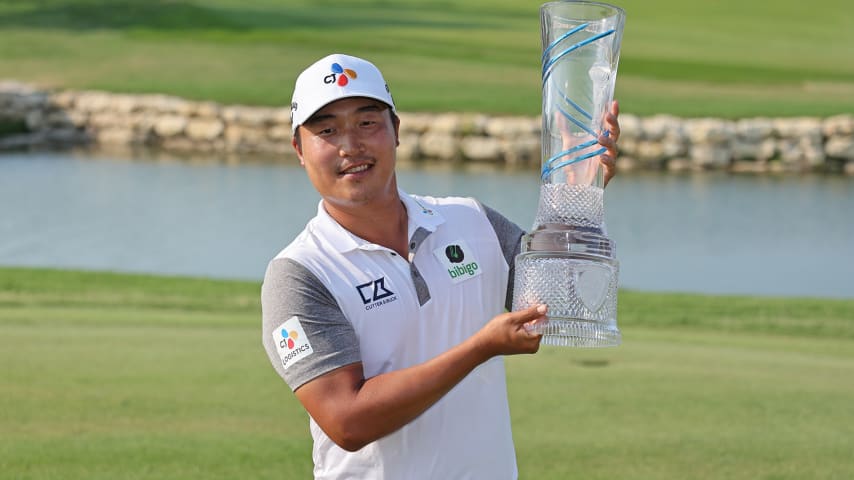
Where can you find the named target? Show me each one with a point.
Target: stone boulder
(512, 127)
(710, 131)
(439, 145)
(204, 129)
(840, 148)
(482, 149)
(170, 125)
(838, 125)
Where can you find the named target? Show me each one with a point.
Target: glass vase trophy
(567, 261)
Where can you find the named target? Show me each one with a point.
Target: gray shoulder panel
(291, 290)
(510, 238)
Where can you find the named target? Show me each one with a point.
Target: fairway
(727, 58)
(133, 377)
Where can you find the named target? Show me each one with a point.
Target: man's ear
(396, 131)
(298, 148)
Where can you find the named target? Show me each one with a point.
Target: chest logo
(375, 293)
(454, 253)
(459, 260)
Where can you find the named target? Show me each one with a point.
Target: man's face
(348, 151)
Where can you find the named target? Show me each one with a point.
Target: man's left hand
(609, 141)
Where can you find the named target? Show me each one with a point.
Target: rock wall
(34, 118)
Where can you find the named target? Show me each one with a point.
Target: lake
(712, 233)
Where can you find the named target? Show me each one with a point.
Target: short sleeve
(304, 331)
(510, 238)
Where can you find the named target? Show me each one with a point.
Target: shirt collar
(419, 215)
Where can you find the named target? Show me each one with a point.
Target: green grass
(726, 58)
(139, 377)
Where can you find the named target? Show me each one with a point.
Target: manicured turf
(109, 376)
(727, 58)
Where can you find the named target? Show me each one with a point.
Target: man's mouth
(356, 168)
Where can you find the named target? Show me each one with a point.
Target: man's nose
(350, 143)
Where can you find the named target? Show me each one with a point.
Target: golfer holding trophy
(386, 315)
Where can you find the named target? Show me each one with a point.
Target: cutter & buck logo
(375, 293)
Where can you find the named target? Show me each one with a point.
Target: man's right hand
(354, 410)
(509, 333)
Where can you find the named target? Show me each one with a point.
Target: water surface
(706, 233)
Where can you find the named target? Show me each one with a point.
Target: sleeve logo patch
(291, 342)
(459, 260)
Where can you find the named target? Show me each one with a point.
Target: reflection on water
(711, 233)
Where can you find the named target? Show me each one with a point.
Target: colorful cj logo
(340, 75)
(288, 338)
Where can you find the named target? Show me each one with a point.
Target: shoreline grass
(134, 377)
(729, 59)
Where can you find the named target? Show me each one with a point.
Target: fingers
(533, 327)
(612, 121)
(530, 314)
(506, 334)
(610, 165)
(520, 321)
(610, 144)
(530, 318)
(609, 141)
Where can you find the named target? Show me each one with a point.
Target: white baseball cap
(332, 78)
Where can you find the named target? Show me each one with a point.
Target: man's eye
(325, 131)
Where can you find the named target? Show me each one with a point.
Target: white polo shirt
(331, 299)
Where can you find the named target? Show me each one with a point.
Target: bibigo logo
(459, 259)
(340, 75)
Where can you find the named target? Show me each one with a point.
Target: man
(386, 314)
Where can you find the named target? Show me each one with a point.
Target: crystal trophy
(567, 261)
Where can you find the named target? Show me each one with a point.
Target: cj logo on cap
(340, 75)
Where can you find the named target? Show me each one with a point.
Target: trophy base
(578, 333)
(575, 274)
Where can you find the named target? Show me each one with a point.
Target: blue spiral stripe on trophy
(573, 160)
(547, 67)
(562, 38)
(582, 146)
(576, 122)
(575, 105)
(571, 49)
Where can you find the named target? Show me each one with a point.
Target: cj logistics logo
(340, 75)
(291, 342)
(288, 338)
